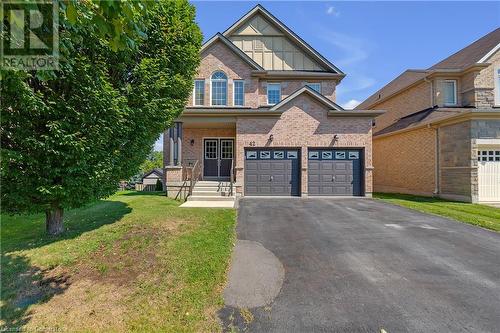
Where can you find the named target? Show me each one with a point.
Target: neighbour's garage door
(272, 172)
(488, 173)
(334, 172)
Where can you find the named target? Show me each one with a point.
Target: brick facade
(219, 57)
(405, 163)
(407, 102)
(304, 124)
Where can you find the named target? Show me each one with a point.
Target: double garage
(277, 172)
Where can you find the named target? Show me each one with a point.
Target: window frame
(194, 92)
(211, 88)
(455, 93)
(314, 83)
(267, 92)
(234, 93)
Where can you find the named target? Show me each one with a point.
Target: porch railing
(194, 175)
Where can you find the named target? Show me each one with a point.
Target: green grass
(133, 262)
(481, 215)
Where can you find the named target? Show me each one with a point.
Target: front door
(218, 155)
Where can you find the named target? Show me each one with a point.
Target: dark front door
(334, 172)
(218, 155)
(272, 172)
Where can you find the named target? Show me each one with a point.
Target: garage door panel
(313, 166)
(251, 178)
(327, 166)
(280, 176)
(251, 165)
(336, 175)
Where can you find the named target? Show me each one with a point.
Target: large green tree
(69, 136)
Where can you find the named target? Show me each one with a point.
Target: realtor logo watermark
(29, 35)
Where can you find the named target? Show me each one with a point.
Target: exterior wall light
(191, 142)
(271, 137)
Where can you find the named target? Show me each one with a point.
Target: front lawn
(133, 262)
(481, 215)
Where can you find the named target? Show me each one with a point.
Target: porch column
(171, 146)
(179, 143)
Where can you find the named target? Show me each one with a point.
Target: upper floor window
(497, 86)
(314, 86)
(273, 93)
(199, 92)
(219, 88)
(239, 92)
(450, 92)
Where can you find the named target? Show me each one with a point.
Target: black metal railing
(194, 175)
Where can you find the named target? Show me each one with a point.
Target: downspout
(436, 144)
(437, 164)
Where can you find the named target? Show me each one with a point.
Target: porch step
(206, 193)
(211, 183)
(210, 198)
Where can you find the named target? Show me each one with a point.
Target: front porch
(199, 161)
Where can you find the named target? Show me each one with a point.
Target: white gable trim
(489, 54)
(322, 99)
(294, 37)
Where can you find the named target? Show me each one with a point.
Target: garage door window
(291, 155)
(326, 155)
(488, 156)
(279, 154)
(314, 155)
(340, 155)
(251, 155)
(265, 154)
(353, 155)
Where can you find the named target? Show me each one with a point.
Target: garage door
(488, 173)
(272, 172)
(334, 172)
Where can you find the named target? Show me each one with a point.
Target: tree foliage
(154, 160)
(69, 136)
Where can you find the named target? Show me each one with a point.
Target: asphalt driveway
(359, 265)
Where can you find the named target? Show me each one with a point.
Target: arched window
(219, 88)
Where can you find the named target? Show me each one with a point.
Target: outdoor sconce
(191, 142)
(271, 137)
(335, 137)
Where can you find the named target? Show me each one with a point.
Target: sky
(371, 42)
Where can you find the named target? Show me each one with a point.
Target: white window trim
(194, 93)
(455, 99)
(234, 94)
(496, 77)
(267, 91)
(227, 88)
(320, 87)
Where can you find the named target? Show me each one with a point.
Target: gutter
(356, 113)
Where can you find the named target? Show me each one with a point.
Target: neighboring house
(440, 134)
(151, 177)
(263, 106)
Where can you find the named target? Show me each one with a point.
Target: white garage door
(489, 174)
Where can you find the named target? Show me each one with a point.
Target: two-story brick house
(263, 107)
(440, 134)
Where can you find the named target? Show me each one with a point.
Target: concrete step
(210, 198)
(210, 183)
(203, 193)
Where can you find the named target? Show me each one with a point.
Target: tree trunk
(54, 220)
